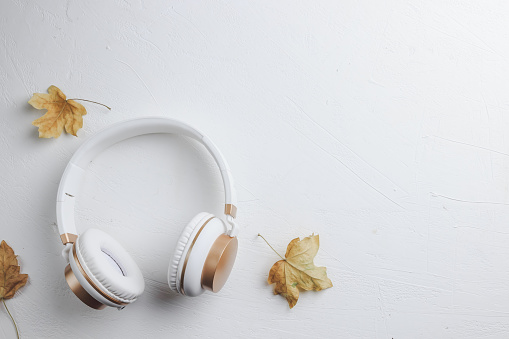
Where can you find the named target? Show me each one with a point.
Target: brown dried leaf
(298, 270)
(62, 113)
(10, 279)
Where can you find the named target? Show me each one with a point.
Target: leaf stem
(270, 246)
(95, 102)
(10, 315)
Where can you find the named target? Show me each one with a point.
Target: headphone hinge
(68, 238)
(230, 209)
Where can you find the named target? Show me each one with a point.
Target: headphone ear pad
(109, 266)
(181, 247)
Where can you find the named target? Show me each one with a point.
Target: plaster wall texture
(380, 125)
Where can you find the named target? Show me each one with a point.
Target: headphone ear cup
(203, 258)
(107, 268)
(182, 246)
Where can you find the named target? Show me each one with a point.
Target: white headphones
(101, 273)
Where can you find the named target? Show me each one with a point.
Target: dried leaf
(298, 270)
(62, 113)
(10, 279)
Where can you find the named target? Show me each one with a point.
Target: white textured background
(380, 125)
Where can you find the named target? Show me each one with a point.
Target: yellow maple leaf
(62, 113)
(297, 270)
(10, 278)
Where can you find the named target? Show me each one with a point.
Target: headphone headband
(74, 172)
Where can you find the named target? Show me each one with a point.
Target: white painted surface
(382, 126)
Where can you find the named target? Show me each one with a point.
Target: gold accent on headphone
(230, 209)
(187, 256)
(219, 263)
(113, 300)
(79, 291)
(68, 238)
